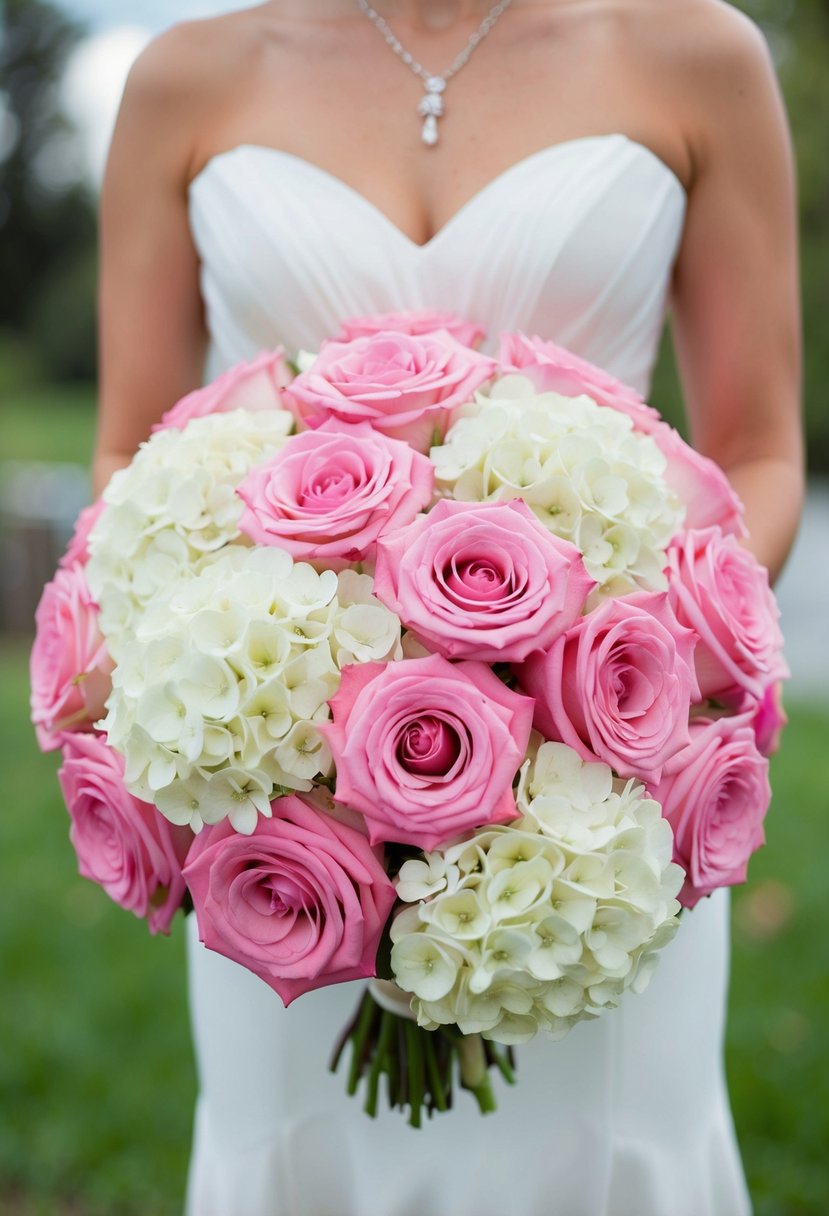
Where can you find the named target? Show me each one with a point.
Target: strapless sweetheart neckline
(533, 159)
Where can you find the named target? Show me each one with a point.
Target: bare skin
(690, 79)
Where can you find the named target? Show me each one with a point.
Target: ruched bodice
(575, 242)
(628, 1116)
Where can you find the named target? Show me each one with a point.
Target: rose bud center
(478, 579)
(429, 747)
(335, 483)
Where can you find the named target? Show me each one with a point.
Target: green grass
(95, 1064)
(777, 1052)
(48, 423)
(96, 1071)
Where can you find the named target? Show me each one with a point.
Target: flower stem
(419, 1065)
(438, 1095)
(366, 1017)
(414, 1060)
(484, 1096)
(472, 1059)
(474, 1066)
(503, 1061)
(381, 1061)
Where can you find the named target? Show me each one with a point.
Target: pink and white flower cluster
(520, 927)
(458, 648)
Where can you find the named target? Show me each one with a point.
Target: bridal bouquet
(408, 662)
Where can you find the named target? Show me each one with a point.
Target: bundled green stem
(421, 1067)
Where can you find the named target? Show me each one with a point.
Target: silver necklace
(431, 107)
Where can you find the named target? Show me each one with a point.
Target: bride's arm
(736, 298)
(151, 331)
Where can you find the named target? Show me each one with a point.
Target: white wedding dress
(628, 1116)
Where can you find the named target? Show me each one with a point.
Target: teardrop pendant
(429, 134)
(431, 108)
(431, 105)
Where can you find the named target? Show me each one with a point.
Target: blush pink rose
(302, 902)
(770, 720)
(77, 551)
(558, 370)
(414, 323)
(124, 845)
(251, 386)
(426, 749)
(329, 494)
(715, 799)
(69, 666)
(618, 685)
(406, 386)
(482, 580)
(698, 481)
(720, 590)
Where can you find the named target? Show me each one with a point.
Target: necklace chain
(459, 60)
(431, 105)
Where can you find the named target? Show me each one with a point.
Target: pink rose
(720, 590)
(700, 483)
(302, 902)
(124, 845)
(556, 370)
(69, 665)
(77, 551)
(329, 494)
(618, 685)
(252, 386)
(715, 799)
(426, 749)
(405, 386)
(414, 323)
(770, 720)
(482, 580)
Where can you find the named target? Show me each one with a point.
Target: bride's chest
(575, 242)
(333, 93)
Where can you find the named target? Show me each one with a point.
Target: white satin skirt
(627, 1116)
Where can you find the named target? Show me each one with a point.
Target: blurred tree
(799, 34)
(47, 221)
(805, 77)
(64, 317)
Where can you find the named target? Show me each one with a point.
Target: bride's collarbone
(358, 119)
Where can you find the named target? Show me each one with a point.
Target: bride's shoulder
(710, 67)
(186, 78)
(193, 59)
(697, 38)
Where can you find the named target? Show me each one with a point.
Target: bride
(585, 164)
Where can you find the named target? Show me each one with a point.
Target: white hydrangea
(217, 695)
(588, 476)
(175, 502)
(546, 921)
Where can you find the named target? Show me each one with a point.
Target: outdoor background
(96, 1073)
